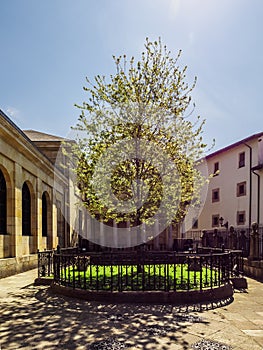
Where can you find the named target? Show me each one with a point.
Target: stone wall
(22, 165)
(12, 266)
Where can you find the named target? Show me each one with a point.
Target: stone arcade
(34, 197)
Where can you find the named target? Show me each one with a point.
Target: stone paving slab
(33, 318)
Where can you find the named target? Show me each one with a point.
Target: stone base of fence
(42, 281)
(239, 282)
(149, 297)
(253, 268)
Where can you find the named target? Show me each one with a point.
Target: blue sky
(49, 47)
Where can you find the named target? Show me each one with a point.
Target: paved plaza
(33, 318)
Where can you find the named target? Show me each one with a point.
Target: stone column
(129, 238)
(215, 238)
(18, 210)
(170, 237)
(204, 239)
(54, 218)
(156, 234)
(115, 234)
(254, 243)
(232, 238)
(102, 234)
(242, 241)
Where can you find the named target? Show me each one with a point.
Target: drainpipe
(250, 186)
(258, 196)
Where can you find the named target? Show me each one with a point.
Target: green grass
(152, 277)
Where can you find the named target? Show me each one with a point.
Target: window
(26, 211)
(215, 220)
(215, 195)
(241, 189)
(195, 223)
(241, 217)
(241, 161)
(3, 204)
(216, 168)
(44, 215)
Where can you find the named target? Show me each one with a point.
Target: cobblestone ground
(33, 318)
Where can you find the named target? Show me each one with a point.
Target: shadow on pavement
(37, 319)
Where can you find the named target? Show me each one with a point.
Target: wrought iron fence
(45, 263)
(238, 239)
(45, 260)
(146, 270)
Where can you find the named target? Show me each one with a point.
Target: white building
(235, 192)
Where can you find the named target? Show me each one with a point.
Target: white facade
(235, 192)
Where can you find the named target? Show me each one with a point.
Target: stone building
(35, 208)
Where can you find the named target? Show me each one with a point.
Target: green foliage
(153, 277)
(136, 127)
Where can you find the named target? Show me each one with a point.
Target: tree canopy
(137, 147)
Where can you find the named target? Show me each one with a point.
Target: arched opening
(26, 210)
(44, 215)
(46, 221)
(7, 238)
(3, 205)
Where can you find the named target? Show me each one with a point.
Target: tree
(137, 149)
